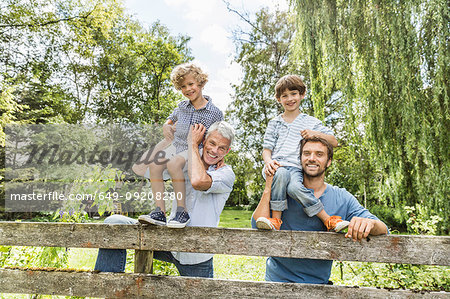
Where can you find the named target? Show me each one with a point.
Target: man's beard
(318, 174)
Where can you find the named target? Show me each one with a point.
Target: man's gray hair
(224, 128)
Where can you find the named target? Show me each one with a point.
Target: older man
(211, 182)
(316, 155)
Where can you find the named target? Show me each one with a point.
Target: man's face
(314, 159)
(215, 147)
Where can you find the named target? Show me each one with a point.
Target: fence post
(143, 261)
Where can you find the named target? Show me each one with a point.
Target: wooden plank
(143, 261)
(119, 285)
(429, 250)
(86, 235)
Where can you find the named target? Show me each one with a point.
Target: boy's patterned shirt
(186, 115)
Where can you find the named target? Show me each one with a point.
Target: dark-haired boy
(280, 154)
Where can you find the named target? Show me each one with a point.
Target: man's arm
(263, 208)
(360, 228)
(310, 133)
(200, 180)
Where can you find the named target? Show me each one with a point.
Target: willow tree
(388, 61)
(263, 50)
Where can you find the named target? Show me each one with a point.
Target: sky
(210, 26)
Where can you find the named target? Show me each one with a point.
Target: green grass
(235, 218)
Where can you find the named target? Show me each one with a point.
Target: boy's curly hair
(289, 82)
(179, 72)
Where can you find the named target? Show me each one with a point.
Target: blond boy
(197, 109)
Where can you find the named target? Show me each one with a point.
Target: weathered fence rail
(428, 250)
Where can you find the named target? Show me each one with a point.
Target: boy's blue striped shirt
(283, 138)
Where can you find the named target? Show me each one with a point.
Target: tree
(263, 54)
(85, 60)
(388, 62)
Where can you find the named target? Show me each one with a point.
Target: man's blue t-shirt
(336, 201)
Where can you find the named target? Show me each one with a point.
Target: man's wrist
(194, 145)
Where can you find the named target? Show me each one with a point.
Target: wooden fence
(426, 250)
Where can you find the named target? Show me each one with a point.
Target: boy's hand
(309, 133)
(196, 134)
(168, 131)
(271, 167)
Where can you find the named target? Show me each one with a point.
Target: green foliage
(385, 66)
(86, 60)
(27, 256)
(164, 268)
(5, 252)
(243, 169)
(263, 54)
(394, 217)
(396, 276)
(422, 221)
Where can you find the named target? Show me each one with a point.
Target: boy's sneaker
(335, 223)
(156, 217)
(180, 220)
(268, 223)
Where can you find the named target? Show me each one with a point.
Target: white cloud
(193, 10)
(219, 87)
(218, 38)
(209, 24)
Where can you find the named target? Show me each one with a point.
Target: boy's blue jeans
(113, 260)
(288, 180)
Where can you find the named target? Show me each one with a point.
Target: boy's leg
(278, 200)
(312, 205)
(141, 166)
(157, 216)
(113, 260)
(157, 182)
(175, 167)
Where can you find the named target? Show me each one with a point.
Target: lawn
(235, 218)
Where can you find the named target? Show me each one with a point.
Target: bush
(395, 218)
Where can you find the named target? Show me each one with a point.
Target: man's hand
(360, 228)
(168, 131)
(309, 134)
(271, 167)
(196, 134)
(220, 164)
